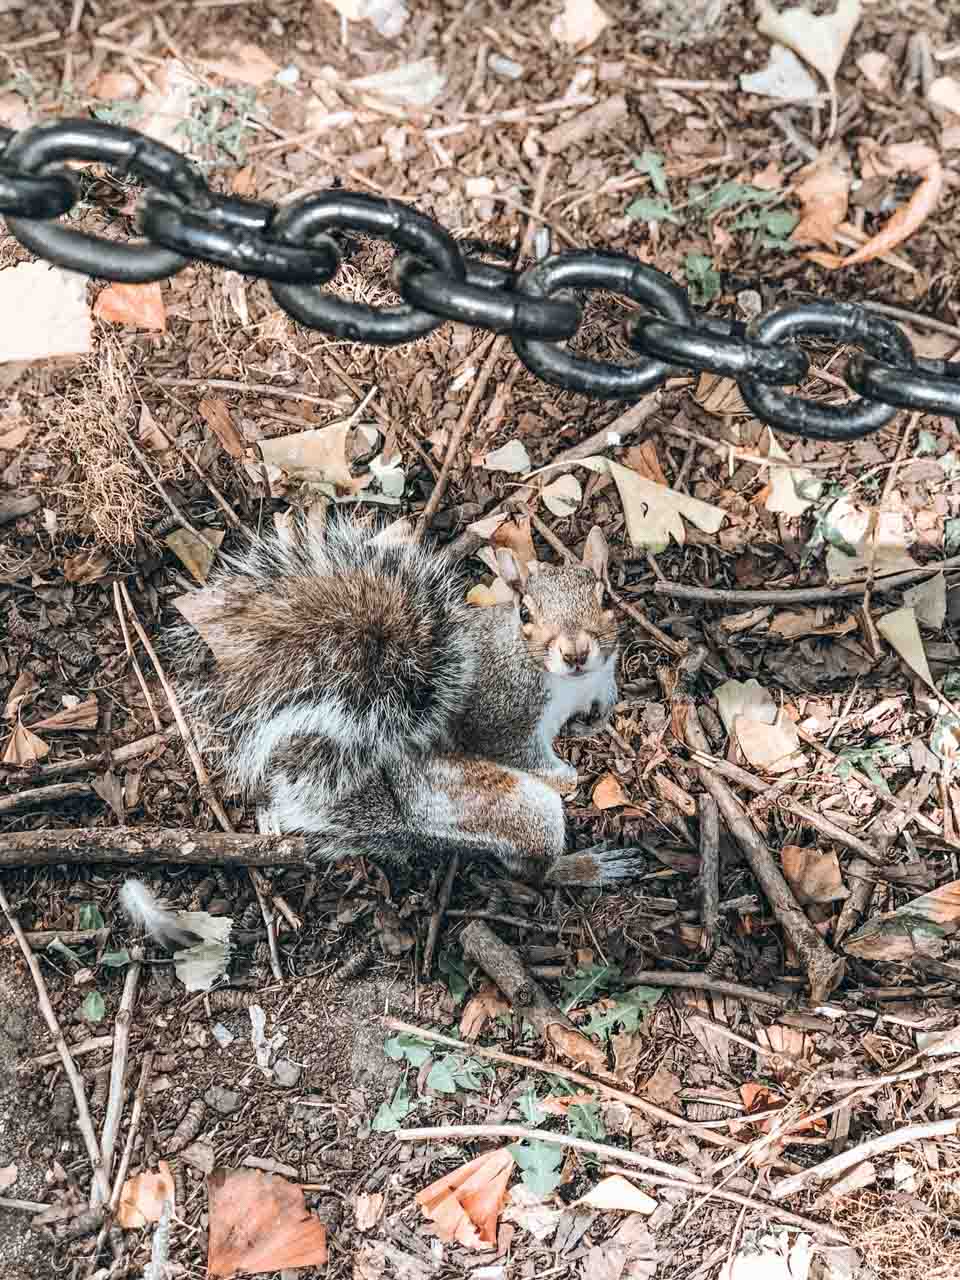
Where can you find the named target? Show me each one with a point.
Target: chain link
(295, 248)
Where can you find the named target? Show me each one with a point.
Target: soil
(320, 1102)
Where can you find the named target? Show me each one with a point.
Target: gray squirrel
(381, 715)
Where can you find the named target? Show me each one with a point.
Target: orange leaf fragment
(465, 1205)
(143, 1197)
(259, 1222)
(140, 305)
(608, 793)
(216, 414)
(823, 192)
(82, 716)
(480, 1009)
(898, 158)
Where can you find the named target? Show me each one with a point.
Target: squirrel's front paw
(563, 777)
(589, 724)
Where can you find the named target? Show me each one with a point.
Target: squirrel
(382, 715)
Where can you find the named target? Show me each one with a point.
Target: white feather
(144, 909)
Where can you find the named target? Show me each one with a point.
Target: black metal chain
(295, 249)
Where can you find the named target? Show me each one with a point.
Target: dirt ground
(169, 420)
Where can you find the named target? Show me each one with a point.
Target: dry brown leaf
(719, 396)
(149, 434)
(245, 64)
(204, 611)
(627, 1052)
(618, 1193)
(216, 414)
(581, 23)
(259, 1222)
(662, 1088)
(8, 1176)
(143, 1197)
(562, 496)
(945, 92)
(480, 1009)
(15, 436)
(920, 927)
(608, 793)
(774, 748)
(192, 552)
(643, 459)
(24, 748)
(908, 158)
(560, 1104)
(244, 182)
(573, 1046)
(84, 715)
(86, 566)
(901, 632)
(820, 40)
(814, 876)
(50, 305)
(114, 86)
(139, 305)
(367, 1209)
(810, 622)
(823, 189)
(318, 455)
(25, 684)
(514, 534)
(465, 1205)
(484, 597)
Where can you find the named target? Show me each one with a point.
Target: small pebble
(505, 67)
(286, 1073)
(223, 1100)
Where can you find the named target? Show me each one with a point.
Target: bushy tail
(332, 653)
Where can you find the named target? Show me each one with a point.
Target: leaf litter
(811, 659)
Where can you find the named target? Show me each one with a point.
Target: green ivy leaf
(647, 210)
(391, 1115)
(67, 953)
(651, 163)
(532, 1113)
(442, 1076)
(90, 916)
(540, 1164)
(585, 1121)
(406, 1048)
(589, 980)
(93, 1007)
(451, 966)
(115, 959)
(626, 1013)
(703, 279)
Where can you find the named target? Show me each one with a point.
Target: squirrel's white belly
(574, 695)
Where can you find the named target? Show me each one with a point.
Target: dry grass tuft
(105, 493)
(907, 1237)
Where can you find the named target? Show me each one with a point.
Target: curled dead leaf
(465, 1205)
(618, 1193)
(608, 793)
(480, 1009)
(139, 305)
(84, 715)
(823, 189)
(216, 414)
(259, 1222)
(813, 874)
(143, 1197)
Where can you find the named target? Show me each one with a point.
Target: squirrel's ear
(596, 553)
(513, 573)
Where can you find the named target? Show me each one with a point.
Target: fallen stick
(519, 1133)
(118, 1071)
(33, 796)
(90, 1045)
(824, 969)
(150, 844)
(827, 1170)
(734, 1197)
(84, 1122)
(709, 880)
(120, 755)
(567, 1073)
(703, 982)
(503, 965)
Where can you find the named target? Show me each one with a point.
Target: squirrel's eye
(524, 614)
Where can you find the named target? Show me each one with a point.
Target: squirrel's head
(560, 609)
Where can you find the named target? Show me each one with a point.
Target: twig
(90, 1045)
(565, 1073)
(262, 889)
(203, 780)
(119, 755)
(666, 642)
(145, 844)
(801, 595)
(40, 938)
(824, 969)
(832, 1168)
(118, 606)
(250, 388)
(118, 1072)
(520, 1133)
(503, 964)
(32, 796)
(734, 1197)
(168, 502)
(121, 1175)
(709, 883)
(480, 385)
(24, 1206)
(436, 918)
(31, 42)
(912, 317)
(84, 1123)
(517, 922)
(861, 891)
(703, 982)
